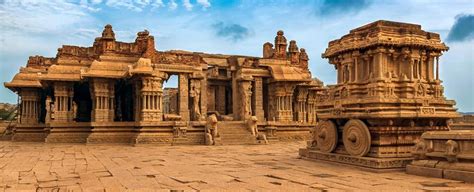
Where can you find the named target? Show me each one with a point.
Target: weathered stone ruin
(113, 92)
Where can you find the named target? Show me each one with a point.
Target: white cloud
(128, 4)
(204, 3)
(96, 1)
(157, 4)
(40, 16)
(172, 5)
(187, 4)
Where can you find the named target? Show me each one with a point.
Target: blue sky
(34, 27)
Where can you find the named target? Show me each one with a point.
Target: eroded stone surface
(78, 167)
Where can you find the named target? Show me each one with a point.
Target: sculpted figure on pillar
(48, 103)
(247, 95)
(280, 46)
(195, 94)
(74, 110)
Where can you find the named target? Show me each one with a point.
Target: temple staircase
(235, 133)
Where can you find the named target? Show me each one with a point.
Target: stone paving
(275, 167)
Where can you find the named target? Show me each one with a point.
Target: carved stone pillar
(183, 97)
(63, 109)
(301, 105)
(196, 97)
(29, 106)
(311, 106)
(378, 62)
(245, 87)
(204, 96)
(259, 112)
(339, 73)
(437, 67)
(151, 99)
(103, 99)
(410, 75)
(281, 105)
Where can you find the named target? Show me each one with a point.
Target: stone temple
(387, 108)
(113, 92)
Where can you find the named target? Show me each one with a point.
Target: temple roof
(108, 58)
(289, 73)
(385, 33)
(26, 78)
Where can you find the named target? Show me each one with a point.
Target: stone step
(235, 133)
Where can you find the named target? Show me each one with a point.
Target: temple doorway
(83, 102)
(171, 95)
(124, 94)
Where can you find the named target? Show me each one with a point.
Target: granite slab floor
(274, 167)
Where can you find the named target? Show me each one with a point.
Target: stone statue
(280, 45)
(48, 104)
(74, 110)
(247, 95)
(452, 150)
(252, 125)
(211, 130)
(195, 94)
(303, 57)
(420, 150)
(268, 50)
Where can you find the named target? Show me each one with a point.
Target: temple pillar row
(29, 106)
(301, 105)
(103, 100)
(63, 102)
(282, 106)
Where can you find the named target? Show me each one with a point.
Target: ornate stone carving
(195, 94)
(280, 46)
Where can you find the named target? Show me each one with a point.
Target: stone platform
(445, 154)
(368, 163)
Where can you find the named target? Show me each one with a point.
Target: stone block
(424, 171)
(466, 176)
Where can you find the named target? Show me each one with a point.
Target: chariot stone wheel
(356, 138)
(326, 136)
